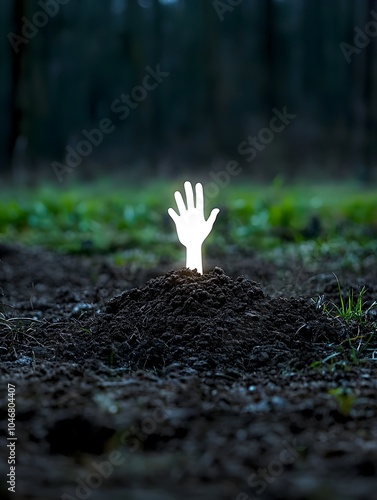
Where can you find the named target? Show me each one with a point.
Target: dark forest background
(228, 69)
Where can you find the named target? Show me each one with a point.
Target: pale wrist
(194, 258)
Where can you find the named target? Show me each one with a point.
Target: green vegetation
(351, 308)
(344, 399)
(352, 351)
(132, 223)
(355, 313)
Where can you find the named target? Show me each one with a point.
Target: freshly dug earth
(210, 322)
(184, 386)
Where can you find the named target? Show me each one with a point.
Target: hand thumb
(173, 214)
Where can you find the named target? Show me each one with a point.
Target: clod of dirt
(208, 322)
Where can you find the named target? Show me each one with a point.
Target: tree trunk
(369, 135)
(16, 75)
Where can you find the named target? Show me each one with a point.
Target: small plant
(331, 362)
(344, 399)
(353, 311)
(352, 308)
(360, 344)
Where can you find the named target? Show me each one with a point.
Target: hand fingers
(173, 214)
(189, 195)
(212, 217)
(199, 196)
(180, 202)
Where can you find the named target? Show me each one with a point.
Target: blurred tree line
(229, 63)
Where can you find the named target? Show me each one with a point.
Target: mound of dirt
(208, 322)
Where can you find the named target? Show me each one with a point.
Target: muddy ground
(161, 384)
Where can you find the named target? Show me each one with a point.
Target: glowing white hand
(192, 228)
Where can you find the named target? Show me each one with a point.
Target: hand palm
(190, 224)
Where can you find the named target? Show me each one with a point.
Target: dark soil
(162, 384)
